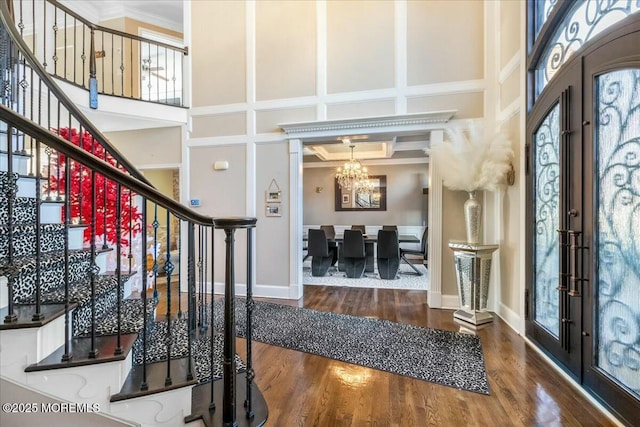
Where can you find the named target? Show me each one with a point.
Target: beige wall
(272, 233)
(405, 201)
(335, 60)
(149, 146)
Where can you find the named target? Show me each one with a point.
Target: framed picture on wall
(274, 196)
(273, 209)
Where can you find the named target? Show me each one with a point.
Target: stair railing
(199, 321)
(73, 49)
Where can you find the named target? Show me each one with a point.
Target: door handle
(563, 275)
(575, 278)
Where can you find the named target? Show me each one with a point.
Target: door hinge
(526, 304)
(526, 158)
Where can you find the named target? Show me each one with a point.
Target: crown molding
(369, 124)
(376, 162)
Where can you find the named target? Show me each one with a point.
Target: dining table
(370, 241)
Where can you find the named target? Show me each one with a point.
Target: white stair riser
(76, 235)
(91, 384)
(160, 409)
(22, 347)
(20, 164)
(50, 213)
(4, 293)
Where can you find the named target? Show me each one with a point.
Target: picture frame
(273, 210)
(351, 200)
(273, 196)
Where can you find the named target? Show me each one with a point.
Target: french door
(583, 290)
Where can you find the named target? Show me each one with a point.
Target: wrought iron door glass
(618, 236)
(584, 21)
(547, 220)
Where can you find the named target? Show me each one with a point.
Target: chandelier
(352, 175)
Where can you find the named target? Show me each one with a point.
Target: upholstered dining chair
(422, 252)
(330, 232)
(388, 254)
(390, 227)
(354, 254)
(321, 254)
(360, 227)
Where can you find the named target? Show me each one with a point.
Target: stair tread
(80, 347)
(25, 313)
(131, 322)
(80, 291)
(156, 375)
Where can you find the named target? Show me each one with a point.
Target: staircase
(79, 317)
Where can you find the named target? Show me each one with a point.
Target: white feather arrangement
(471, 161)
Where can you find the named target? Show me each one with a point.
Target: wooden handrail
(63, 146)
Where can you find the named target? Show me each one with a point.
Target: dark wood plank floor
(307, 390)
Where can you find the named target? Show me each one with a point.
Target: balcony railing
(75, 50)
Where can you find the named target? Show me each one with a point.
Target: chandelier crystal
(352, 175)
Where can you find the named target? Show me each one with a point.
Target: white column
(295, 215)
(434, 295)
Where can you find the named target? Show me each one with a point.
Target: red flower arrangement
(106, 192)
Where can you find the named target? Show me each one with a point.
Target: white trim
(374, 162)
(522, 280)
(377, 124)
(512, 66)
(161, 166)
(259, 290)
(401, 55)
(321, 59)
(250, 58)
(577, 387)
(509, 111)
(509, 316)
(295, 219)
(187, 89)
(462, 86)
(217, 141)
(450, 302)
(435, 230)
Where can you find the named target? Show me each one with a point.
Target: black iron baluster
(132, 68)
(212, 404)
(144, 386)
(173, 78)
(155, 225)
(67, 215)
(250, 374)
(80, 174)
(191, 290)
(168, 269)
(166, 81)
(104, 205)
(122, 66)
(102, 78)
(66, 29)
(205, 248)
(38, 314)
(11, 192)
(93, 353)
(75, 43)
(44, 37)
(118, 349)
(229, 361)
(113, 84)
(55, 41)
(200, 290)
(130, 256)
(179, 268)
(84, 56)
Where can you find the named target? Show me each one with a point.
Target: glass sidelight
(617, 149)
(547, 221)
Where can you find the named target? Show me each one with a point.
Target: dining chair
(390, 227)
(422, 252)
(330, 232)
(321, 254)
(354, 254)
(388, 254)
(360, 227)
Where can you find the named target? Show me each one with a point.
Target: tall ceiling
(164, 13)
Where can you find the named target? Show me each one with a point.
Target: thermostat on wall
(194, 203)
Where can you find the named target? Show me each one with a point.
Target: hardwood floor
(306, 390)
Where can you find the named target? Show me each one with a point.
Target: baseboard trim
(261, 291)
(511, 318)
(450, 302)
(573, 383)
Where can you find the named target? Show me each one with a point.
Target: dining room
(369, 200)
